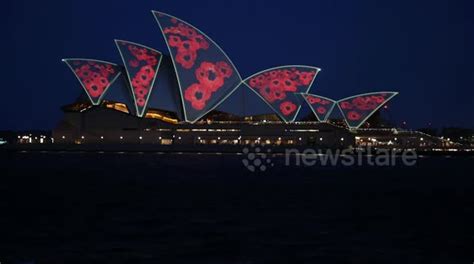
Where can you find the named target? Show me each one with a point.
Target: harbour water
(58, 207)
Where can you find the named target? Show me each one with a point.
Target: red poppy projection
(357, 109)
(206, 76)
(142, 64)
(321, 106)
(95, 76)
(278, 88)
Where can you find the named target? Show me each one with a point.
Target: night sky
(423, 49)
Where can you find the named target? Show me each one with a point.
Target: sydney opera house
(195, 95)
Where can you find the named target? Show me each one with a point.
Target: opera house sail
(142, 64)
(206, 76)
(279, 88)
(95, 76)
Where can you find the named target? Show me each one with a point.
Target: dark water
(150, 208)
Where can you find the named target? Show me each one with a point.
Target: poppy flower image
(141, 102)
(267, 94)
(102, 81)
(136, 82)
(83, 73)
(95, 90)
(134, 63)
(256, 83)
(321, 110)
(142, 68)
(141, 92)
(94, 76)
(287, 108)
(278, 94)
(148, 70)
(224, 69)
(138, 52)
(270, 96)
(187, 41)
(174, 41)
(152, 61)
(325, 102)
(144, 78)
(313, 100)
(190, 32)
(110, 69)
(197, 96)
(187, 46)
(378, 99)
(306, 77)
(346, 105)
(289, 85)
(353, 116)
(364, 103)
(209, 76)
(203, 44)
(274, 85)
(186, 59)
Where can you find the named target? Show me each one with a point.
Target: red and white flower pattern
(210, 78)
(142, 64)
(321, 106)
(358, 108)
(277, 85)
(187, 41)
(95, 76)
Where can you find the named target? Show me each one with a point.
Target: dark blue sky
(423, 49)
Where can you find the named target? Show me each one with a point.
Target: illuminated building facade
(176, 98)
